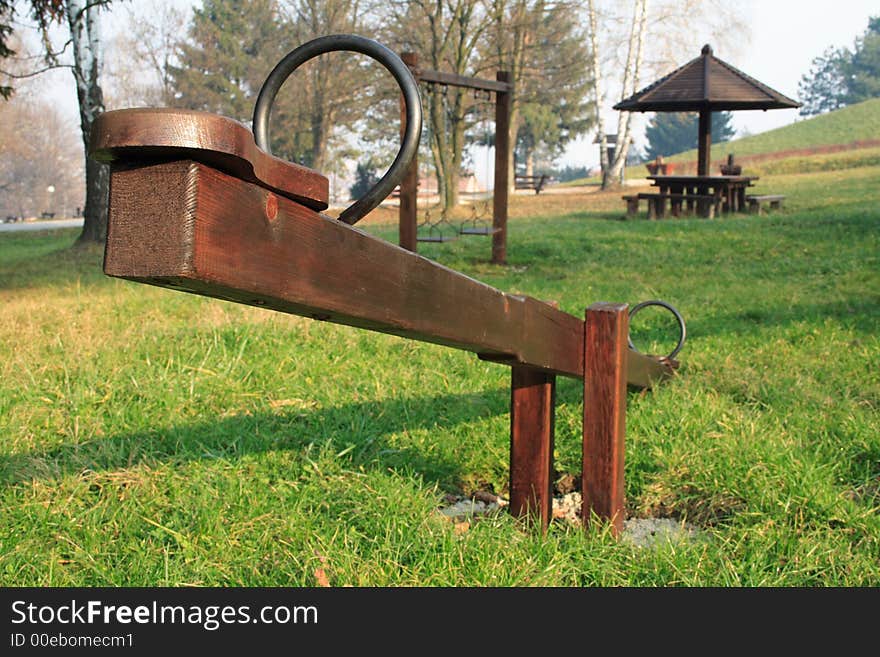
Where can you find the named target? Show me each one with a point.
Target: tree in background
(144, 52)
(540, 43)
(228, 51)
(841, 76)
(81, 20)
(543, 45)
(6, 10)
(40, 165)
(231, 48)
(669, 133)
(824, 87)
(863, 68)
(631, 41)
(446, 35)
(631, 75)
(328, 89)
(365, 178)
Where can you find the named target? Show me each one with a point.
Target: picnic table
(709, 195)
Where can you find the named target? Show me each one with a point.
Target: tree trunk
(630, 86)
(85, 37)
(514, 130)
(597, 89)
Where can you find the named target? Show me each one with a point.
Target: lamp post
(50, 190)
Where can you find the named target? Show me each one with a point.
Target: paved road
(41, 225)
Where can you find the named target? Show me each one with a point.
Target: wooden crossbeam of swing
(454, 80)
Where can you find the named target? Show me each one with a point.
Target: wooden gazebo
(705, 85)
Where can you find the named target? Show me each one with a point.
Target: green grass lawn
(156, 438)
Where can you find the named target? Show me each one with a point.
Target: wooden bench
(706, 204)
(632, 204)
(755, 202)
(531, 182)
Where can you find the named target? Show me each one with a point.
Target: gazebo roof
(705, 83)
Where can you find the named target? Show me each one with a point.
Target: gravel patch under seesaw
(641, 532)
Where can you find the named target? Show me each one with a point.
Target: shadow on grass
(363, 429)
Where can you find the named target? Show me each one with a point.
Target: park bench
(706, 204)
(632, 204)
(238, 224)
(536, 183)
(756, 201)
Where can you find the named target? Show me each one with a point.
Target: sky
(784, 38)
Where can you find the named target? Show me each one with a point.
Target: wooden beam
(605, 362)
(454, 80)
(532, 402)
(501, 189)
(213, 234)
(704, 146)
(408, 219)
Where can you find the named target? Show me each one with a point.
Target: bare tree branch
(22, 76)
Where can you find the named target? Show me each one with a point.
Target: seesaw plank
(188, 226)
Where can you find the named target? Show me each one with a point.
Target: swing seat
(478, 230)
(436, 238)
(434, 231)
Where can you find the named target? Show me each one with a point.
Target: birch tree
(650, 40)
(611, 170)
(85, 35)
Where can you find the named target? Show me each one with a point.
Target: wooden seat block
(161, 134)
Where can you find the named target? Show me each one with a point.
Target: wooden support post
(532, 402)
(705, 142)
(502, 171)
(605, 363)
(409, 184)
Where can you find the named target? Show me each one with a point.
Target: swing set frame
(503, 89)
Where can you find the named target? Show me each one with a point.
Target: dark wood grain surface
(532, 402)
(211, 233)
(151, 134)
(607, 327)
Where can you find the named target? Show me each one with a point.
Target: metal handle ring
(656, 302)
(408, 86)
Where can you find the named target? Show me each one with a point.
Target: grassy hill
(857, 123)
(845, 139)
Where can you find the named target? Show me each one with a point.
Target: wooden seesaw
(198, 204)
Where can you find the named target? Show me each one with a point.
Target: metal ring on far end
(657, 302)
(405, 80)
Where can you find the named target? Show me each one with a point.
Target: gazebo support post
(705, 143)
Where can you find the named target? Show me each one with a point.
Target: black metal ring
(656, 302)
(405, 80)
